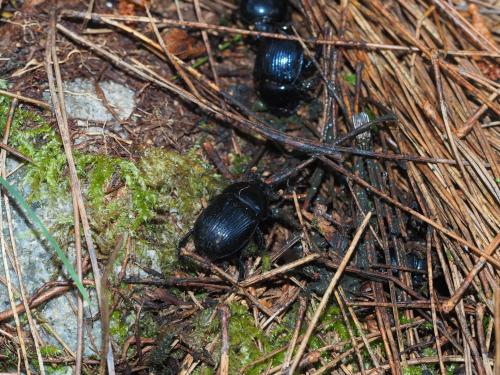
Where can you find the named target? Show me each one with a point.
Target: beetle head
(252, 194)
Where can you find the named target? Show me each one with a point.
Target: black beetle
(264, 14)
(419, 264)
(230, 222)
(416, 263)
(281, 73)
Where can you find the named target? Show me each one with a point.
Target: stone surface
(82, 101)
(36, 261)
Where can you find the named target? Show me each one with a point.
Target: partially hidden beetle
(416, 263)
(230, 221)
(264, 15)
(281, 73)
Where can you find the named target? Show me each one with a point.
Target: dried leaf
(126, 8)
(183, 45)
(324, 226)
(479, 23)
(490, 69)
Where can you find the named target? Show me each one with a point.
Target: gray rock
(83, 103)
(37, 264)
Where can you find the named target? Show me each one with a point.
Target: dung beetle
(264, 15)
(419, 264)
(230, 221)
(282, 74)
(416, 263)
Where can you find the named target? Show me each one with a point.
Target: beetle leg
(241, 267)
(260, 240)
(284, 216)
(183, 241)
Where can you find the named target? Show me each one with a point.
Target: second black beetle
(231, 220)
(264, 15)
(282, 73)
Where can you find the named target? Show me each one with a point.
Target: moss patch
(412, 370)
(122, 195)
(244, 337)
(332, 321)
(154, 198)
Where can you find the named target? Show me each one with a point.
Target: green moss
(404, 320)
(9, 358)
(33, 137)
(243, 336)
(239, 163)
(350, 79)
(266, 262)
(427, 326)
(332, 320)
(149, 328)
(158, 182)
(429, 352)
(412, 370)
(50, 351)
(376, 346)
(57, 369)
(119, 326)
(315, 343)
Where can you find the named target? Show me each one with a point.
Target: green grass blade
(35, 220)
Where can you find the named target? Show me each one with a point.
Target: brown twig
(497, 330)
(224, 352)
(328, 292)
(217, 28)
(26, 99)
(453, 300)
(419, 216)
(57, 95)
(215, 158)
(298, 323)
(279, 270)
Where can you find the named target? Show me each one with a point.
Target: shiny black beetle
(230, 222)
(416, 263)
(264, 15)
(281, 73)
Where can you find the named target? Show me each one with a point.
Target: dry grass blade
(57, 96)
(466, 26)
(78, 254)
(425, 219)
(300, 317)
(104, 304)
(433, 304)
(279, 270)
(457, 296)
(224, 361)
(26, 99)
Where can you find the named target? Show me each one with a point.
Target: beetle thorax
(251, 195)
